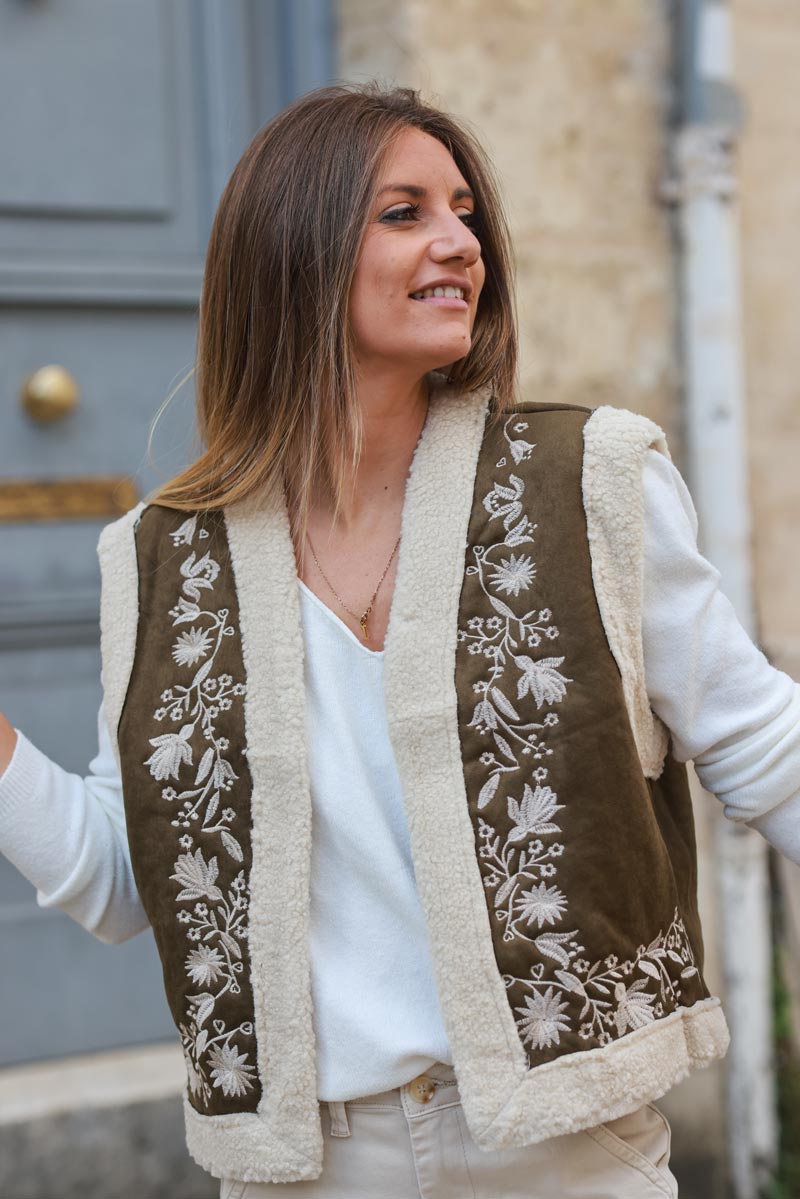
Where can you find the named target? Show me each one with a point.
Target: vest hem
(581, 1090)
(244, 1146)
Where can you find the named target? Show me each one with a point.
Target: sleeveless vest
(551, 827)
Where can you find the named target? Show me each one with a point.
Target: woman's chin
(444, 356)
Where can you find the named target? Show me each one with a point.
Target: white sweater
(377, 1015)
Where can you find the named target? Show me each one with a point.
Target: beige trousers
(413, 1143)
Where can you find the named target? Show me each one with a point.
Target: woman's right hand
(8, 742)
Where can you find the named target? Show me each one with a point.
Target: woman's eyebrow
(412, 189)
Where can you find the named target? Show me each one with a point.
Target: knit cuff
(21, 779)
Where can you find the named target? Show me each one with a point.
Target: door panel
(127, 120)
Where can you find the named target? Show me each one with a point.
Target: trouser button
(422, 1088)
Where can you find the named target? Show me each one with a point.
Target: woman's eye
(412, 211)
(401, 214)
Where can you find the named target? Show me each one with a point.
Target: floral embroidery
(212, 914)
(613, 1005)
(564, 992)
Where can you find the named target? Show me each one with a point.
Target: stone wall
(768, 57)
(569, 98)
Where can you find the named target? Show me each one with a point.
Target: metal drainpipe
(703, 188)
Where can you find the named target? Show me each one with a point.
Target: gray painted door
(121, 125)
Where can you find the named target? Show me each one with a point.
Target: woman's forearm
(66, 834)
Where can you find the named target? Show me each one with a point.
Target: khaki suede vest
(551, 827)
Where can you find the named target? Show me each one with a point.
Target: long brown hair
(274, 378)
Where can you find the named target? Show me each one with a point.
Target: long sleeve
(729, 710)
(67, 836)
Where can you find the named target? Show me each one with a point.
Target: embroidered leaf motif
(487, 790)
(213, 915)
(504, 891)
(199, 575)
(205, 765)
(184, 611)
(519, 534)
(551, 944)
(205, 1006)
(590, 998)
(504, 705)
(231, 844)
(500, 607)
(230, 944)
(570, 982)
(504, 747)
(203, 672)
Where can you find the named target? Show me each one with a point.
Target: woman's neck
(393, 423)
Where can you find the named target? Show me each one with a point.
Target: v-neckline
(373, 653)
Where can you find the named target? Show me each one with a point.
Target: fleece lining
(615, 441)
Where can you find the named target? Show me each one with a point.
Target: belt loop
(339, 1123)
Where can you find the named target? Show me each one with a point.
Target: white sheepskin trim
(583, 1089)
(119, 613)
(615, 441)
(421, 708)
(245, 1146)
(284, 1140)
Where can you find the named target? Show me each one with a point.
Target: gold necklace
(364, 617)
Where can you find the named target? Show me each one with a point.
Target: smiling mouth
(449, 302)
(439, 293)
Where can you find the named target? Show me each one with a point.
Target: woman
(480, 962)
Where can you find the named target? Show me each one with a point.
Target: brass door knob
(49, 394)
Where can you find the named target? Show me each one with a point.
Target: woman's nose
(456, 240)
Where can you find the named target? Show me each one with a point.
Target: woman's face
(418, 237)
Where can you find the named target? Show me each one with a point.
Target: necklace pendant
(363, 622)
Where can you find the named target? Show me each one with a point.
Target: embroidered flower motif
(542, 904)
(199, 574)
(184, 534)
(194, 1076)
(230, 1071)
(512, 576)
(533, 814)
(191, 646)
(564, 990)
(172, 749)
(196, 876)
(545, 683)
(215, 924)
(634, 1006)
(543, 1019)
(204, 965)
